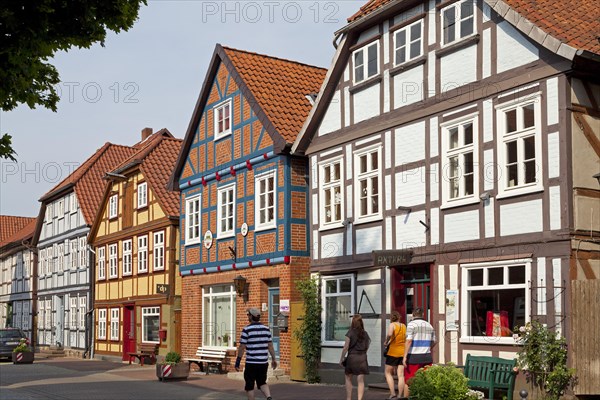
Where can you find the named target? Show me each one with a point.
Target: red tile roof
(280, 88)
(576, 24)
(24, 233)
(10, 225)
(87, 179)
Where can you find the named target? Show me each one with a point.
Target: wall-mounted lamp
(484, 196)
(239, 283)
(347, 221)
(404, 209)
(597, 176)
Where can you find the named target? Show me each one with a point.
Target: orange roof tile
(87, 179)
(280, 88)
(9, 225)
(24, 233)
(577, 26)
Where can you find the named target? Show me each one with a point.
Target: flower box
(25, 357)
(179, 371)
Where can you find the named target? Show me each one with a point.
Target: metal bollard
(523, 393)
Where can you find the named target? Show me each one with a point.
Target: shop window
(338, 301)
(150, 324)
(218, 319)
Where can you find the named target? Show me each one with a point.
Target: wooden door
(177, 321)
(128, 330)
(297, 364)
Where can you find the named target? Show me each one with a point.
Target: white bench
(208, 356)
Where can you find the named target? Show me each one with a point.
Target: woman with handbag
(394, 345)
(354, 356)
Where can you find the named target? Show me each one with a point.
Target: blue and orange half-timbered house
(244, 209)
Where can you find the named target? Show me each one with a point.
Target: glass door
(273, 313)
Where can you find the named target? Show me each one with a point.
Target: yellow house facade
(137, 290)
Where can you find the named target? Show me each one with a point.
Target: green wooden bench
(491, 373)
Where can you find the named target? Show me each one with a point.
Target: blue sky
(151, 76)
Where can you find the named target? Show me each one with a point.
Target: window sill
(368, 219)
(222, 135)
(227, 235)
(142, 208)
(324, 228)
(372, 81)
(519, 192)
(191, 243)
(488, 340)
(459, 202)
(458, 45)
(264, 228)
(408, 65)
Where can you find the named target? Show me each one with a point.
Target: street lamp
(239, 282)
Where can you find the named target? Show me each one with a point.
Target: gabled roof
(10, 225)
(275, 88)
(576, 24)
(87, 181)
(18, 237)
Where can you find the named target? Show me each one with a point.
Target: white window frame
(114, 324)
(113, 206)
(73, 313)
(457, 10)
(73, 203)
(193, 220)
(74, 253)
(465, 296)
(223, 212)
(368, 176)
(61, 208)
(267, 224)
(504, 190)
(127, 257)
(325, 295)
(102, 323)
(142, 195)
(364, 67)
(158, 251)
(142, 254)
(150, 312)
(409, 42)
(82, 254)
(82, 312)
(113, 261)
(329, 187)
(50, 260)
(459, 152)
(101, 262)
(209, 338)
(227, 108)
(48, 314)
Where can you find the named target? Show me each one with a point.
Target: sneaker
(269, 398)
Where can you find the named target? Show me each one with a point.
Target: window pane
(516, 274)
(363, 198)
(466, 25)
(326, 174)
(468, 133)
(528, 116)
(336, 172)
(453, 137)
(331, 286)
(337, 321)
(401, 38)
(373, 64)
(358, 67)
(415, 49)
(511, 121)
(495, 312)
(363, 163)
(495, 276)
(375, 195)
(475, 277)
(374, 161)
(415, 32)
(346, 285)
(449, 25)
(401, 55)
(529, 143)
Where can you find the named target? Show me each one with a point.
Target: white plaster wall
(408, 87)
(434, 131)
(541, 283)
(488, 121)
(488, 210)
(555, 205)
(557, 283)
(408, 14)
(488, 170)
(386, 87)
(368, 34)
(410, 187)
(435, 225)
(332, 245)
(486, 67)
(368, 239)
(332, 120)
(458, 68)
(373, 328)
(315, 208)
(409, 232)
(461, 226)
(512, 48)
(409, 143)
(432, 20)
(553, 155)
(552, 100)
(373, 293)
(388, 234)
(346, 106)
(512, 221)
(387, 153)
(366, 103)
(434, 184)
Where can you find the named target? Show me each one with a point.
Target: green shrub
(172, 358)
(309, 332)
(439, 382)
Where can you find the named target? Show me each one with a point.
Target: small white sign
(244, 229)
(208, 239)
(264, 307)
(284, 306)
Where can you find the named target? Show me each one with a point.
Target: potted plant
(172, 368)
(442, 382)
(22, 354)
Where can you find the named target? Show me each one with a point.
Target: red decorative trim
(233, 266)
(218, 268)
(191, 272)
(248, 165)
(268, 261)
(265, 156)
(286, 259)
(204, 270)
(189, 183)
(232, 171)
(249, 264)
(217, 176)
(203, 181)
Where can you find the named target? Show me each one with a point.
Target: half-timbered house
(135, 236)
(244, 198)
(454, 152)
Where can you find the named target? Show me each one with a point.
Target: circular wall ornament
(244, 229)
(208, 239)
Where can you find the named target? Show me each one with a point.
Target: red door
(128, 330)
(411, 287)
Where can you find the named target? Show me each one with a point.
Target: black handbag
(345, 361)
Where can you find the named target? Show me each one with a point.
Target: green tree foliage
(309, 332)
(32, 31)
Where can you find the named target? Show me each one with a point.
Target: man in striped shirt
(257, 343)
(420, 339)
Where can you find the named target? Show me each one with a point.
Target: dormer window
(458, 21)
(366, 62)
(222, 117)
(113, 204)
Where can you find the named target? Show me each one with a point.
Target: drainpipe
(89, 320)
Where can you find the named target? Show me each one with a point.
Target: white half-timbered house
(453, 149)
(64, 259)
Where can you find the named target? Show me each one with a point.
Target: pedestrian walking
(354, 356)
(256, 342)
(396, 337)
(420, 340)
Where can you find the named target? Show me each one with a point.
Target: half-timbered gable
(63, 267)
(137, 294)
(243, 198)
(443, 146)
